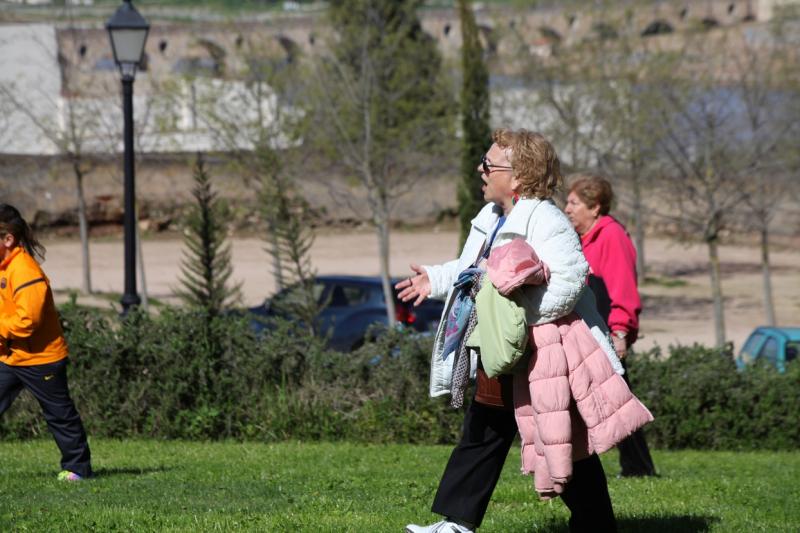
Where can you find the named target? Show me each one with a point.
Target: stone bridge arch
(289, 46)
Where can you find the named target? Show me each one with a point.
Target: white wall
(29, 68)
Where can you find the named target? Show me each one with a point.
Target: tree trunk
(574, 143)
(271, 211)
(83, 224)
(277, 267)
(140, 266)
(383, 247)
(716, 292)
(638, 228)
(769, 306)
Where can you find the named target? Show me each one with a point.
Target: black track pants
(48, 384)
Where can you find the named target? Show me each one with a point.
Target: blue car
(777, 346)
(351, 305)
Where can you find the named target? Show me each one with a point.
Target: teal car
(776, 346)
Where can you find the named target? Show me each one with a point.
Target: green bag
(501, 333)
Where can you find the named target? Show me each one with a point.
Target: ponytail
(11, 221)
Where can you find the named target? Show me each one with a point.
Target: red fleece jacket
(612, 258)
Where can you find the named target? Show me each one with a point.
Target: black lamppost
(127, 30)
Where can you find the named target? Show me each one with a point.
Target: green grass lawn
(188, 486)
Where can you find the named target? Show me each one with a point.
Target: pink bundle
(515, 264)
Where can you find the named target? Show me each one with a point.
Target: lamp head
(127, 30)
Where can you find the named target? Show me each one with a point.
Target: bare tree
(72, 139)
(253, 119)
(698, 122)
(766, 80)
(626, 147)
(68, 116)
(380, 109)
(595, 99)
(562, 106)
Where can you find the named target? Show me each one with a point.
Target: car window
(356, 295)
(347, 296)
(294, 295)
(791, 350)
(749, 350)
(337, 297)
(770, 350)
(319, 289)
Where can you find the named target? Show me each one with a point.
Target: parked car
(351, 304)
(777, 346)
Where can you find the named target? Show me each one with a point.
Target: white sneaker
(445, 526)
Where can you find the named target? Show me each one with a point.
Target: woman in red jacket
(34, 352)
(612, 277)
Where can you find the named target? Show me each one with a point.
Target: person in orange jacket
(33, 351)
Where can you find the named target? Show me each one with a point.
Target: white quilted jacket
(548, 230)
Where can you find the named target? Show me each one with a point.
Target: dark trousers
(475, 464)
(48, 384)
(477, 461)
(634, 454)
(587, 499)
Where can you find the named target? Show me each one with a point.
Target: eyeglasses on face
(487, 167)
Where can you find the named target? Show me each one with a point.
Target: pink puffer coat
(570, 403)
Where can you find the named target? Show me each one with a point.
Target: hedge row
(177, 375)
(701, 401)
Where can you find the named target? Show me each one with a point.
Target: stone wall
(45, 190)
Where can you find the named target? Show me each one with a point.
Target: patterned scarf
(462, 319)
(460, 311)
(462, 359)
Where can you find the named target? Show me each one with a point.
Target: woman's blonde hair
(533, 159)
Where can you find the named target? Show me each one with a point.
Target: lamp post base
(128, 301)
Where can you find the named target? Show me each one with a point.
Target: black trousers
(48, 384)
(477, 461)
(634, 454)
(587, 499)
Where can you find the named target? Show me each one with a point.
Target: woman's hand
(620, 346)
(417, 287)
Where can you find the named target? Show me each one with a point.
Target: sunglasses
(487, 167)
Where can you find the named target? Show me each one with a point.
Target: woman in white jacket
(521, 172)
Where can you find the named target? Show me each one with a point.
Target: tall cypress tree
(476, 132)
(206, 266)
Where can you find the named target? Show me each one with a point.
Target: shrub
(174, 376)
(700, 400)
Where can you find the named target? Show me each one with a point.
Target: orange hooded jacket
(30, 329)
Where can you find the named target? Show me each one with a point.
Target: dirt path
(678, 310)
